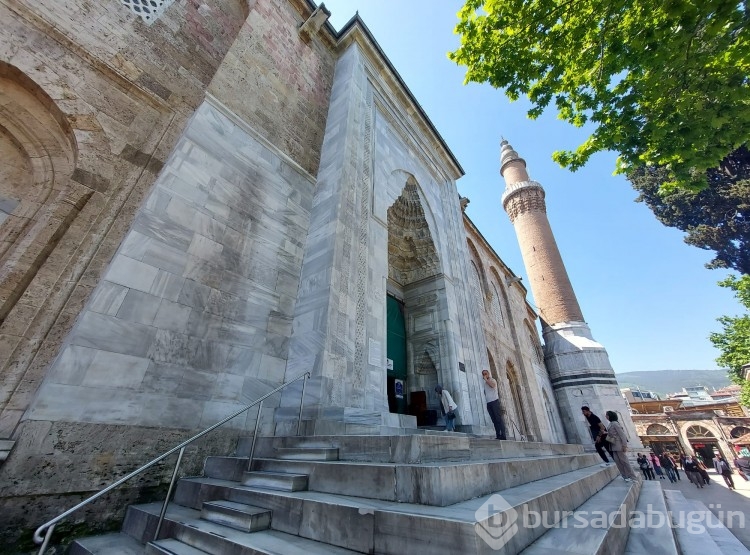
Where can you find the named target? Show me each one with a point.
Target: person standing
(598, 434)
(723, 468)
(691, 471)
(449, 408)
(645, 467)
(493, 404)
(619, 444)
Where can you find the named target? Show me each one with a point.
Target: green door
(396, 351)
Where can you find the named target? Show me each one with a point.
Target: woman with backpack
(645, 467)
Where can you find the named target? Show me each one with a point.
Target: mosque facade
(203, 199)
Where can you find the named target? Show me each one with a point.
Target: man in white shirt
(493, 404)
(449, 408)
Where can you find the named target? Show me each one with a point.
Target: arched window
(739, 431)
(698, 432)
(476, 285)
(518, 399)
(550, 415)
(534, 342)
(497, 311)
(657, 430)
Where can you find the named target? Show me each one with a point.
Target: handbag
(450, 415)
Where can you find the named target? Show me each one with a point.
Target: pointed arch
(534, 342)
(516, 393)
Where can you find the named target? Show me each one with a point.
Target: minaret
(579, 367)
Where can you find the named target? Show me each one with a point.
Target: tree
(716, 218)
(664, 82)
(734, 340)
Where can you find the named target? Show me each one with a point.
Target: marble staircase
(425, 493)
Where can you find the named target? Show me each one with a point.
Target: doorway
(396, 353)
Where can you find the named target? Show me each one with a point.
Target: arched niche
(39, 152)
(415, 280)
(36, 140)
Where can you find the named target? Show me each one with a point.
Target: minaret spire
(579, 368)
(523, 200)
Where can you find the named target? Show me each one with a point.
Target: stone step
(431, 483)
(6, 446)
(236, 515)
(413, 448)
(186, 526)
(696, 528)
(171, 547)
(650, 530)
(107, 544)
(274, 480)
(615, 503)
(307, 453)
(393, 528)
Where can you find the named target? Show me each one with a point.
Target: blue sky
(646, 294)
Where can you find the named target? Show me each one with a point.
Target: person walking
(449, 408)
(691, 471)
(666, 464)
(674, 465)
(702, 470)
(742, 464)
(619, 445)
(493, 404)
(657, 466)
(645, 467)
(598, 434)
(723, 468)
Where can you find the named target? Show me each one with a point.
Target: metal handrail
(50, 525)
(523, 437)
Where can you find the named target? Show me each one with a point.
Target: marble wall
(193, 315)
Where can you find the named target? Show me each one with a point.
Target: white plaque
(376, 353)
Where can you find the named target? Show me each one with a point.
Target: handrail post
(47, 537)
(255, 435)
(301, 401)
(169, 494)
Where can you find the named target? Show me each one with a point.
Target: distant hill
(671, 381)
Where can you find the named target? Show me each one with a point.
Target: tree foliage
(734, 340)
(716, 218)
(664, 82)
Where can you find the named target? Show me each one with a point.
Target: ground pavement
(720, 500)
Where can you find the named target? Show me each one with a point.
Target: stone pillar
(579, 367)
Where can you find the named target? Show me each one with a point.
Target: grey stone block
(236, 515)
(131, 273)
(275, 480)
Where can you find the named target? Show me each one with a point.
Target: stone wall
(151, 310)
(278, 83)
(512, 341)
(99, 73)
